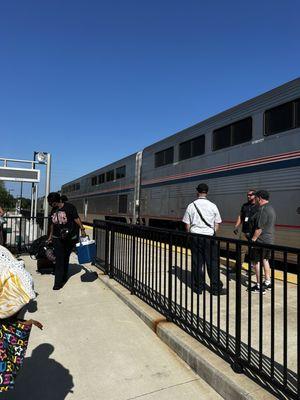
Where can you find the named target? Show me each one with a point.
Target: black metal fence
(19, 232)
(258, 333)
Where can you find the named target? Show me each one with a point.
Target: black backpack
(37, 248)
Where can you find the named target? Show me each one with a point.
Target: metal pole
(32, 190)
(47, 191)
(35, 200)
(32, 201)
(35, 212)
(21, 194)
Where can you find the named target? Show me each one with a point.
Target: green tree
(26, 203)
(6, 199)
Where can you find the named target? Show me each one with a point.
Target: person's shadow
(88, 276)
(74, 269)
(185, 276)
(41, 378)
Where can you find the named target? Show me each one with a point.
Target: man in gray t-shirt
(264, 228)
(266, 223)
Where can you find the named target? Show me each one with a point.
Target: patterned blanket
(14, 337)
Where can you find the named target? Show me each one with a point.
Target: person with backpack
(203, 218)
(64, 223)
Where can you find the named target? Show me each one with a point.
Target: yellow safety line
(279, 275)
(87, 227)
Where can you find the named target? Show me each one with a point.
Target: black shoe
(197, 290)
(258, 289)
(267, 286)
(57, 287)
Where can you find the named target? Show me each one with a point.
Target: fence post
(132, 291)
(106, 250)
(20, 236)
(112, 253)
(169, 312)
(236, 364)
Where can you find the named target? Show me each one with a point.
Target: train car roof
(106, 167)
(228, 115)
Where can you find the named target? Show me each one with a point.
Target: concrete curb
(210, 367)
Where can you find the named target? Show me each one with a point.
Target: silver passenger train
(253, 145)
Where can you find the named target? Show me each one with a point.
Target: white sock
(267, 282)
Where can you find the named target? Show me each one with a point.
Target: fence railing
(19, 231)
(258, 333)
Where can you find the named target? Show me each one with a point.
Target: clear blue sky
(94, 81)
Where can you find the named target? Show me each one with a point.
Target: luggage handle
(86, 237)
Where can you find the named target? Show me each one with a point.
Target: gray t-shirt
(266, 222)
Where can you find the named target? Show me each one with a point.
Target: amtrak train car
(107, 193)
(255, 145)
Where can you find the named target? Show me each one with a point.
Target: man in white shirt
(203, 217)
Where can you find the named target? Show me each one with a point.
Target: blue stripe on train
(220, 174)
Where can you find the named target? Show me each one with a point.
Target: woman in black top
(64, 223)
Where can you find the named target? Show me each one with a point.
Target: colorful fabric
(14, 337)
(16, 285)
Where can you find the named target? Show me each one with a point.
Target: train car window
(123, 204)
(159, 159)
(101, 179)
(169, 155)
(198, 146)
(121, 172)
(241, 131)
(110, 175)
(164, 157)
(279, 119)
(231, 135)
(192, 148)
(221, 138)
(185, 150)
(94, 180)
(297, 109)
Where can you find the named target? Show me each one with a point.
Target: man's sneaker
(258, 289)
(267, 286)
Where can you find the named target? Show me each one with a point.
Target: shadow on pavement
(41, 378)
(74, 269)
(88, 276)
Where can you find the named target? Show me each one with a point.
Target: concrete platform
(93, 347)
(212, 368)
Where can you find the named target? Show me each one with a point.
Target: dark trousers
(205, 251)
(62, 251)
